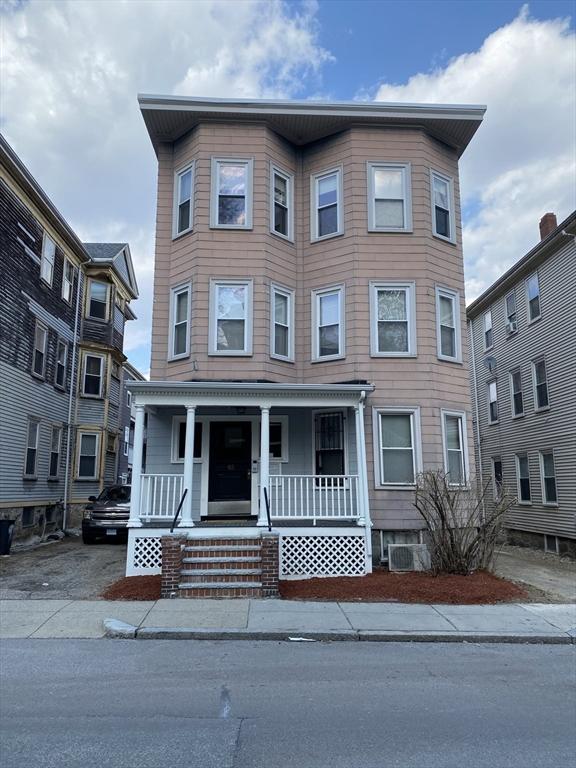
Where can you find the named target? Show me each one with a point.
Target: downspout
(73, 384)
(364, 480)
(476, 409)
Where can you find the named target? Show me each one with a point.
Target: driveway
(542, 570)
(66, 569)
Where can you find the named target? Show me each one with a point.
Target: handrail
(267, 502)
(178, 510)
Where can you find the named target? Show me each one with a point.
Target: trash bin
(6, 532)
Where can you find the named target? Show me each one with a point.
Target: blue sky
(71, 70)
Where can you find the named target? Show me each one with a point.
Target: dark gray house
(523, 345)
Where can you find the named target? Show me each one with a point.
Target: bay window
(328, 323)
(399, 452)
(393, 321)
(389, 203)
(231, 317)
(326, 194)
(231, 204)
(455, 447)
(442, 206)
(183, 201)
(282, 205)
(281, 331)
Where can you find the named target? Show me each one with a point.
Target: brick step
(219, 577)
(224, 548)
(226, 591)
(222, 562)
(221, 584)
(203, 543)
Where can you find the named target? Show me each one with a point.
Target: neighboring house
(42, 306)
(127, 421)
(523, 332)
(308, 327)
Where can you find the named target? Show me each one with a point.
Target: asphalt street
(170, 704)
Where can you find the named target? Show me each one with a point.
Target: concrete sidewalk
(282, 619)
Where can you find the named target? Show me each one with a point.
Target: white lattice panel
(308, 556)
(144, 556)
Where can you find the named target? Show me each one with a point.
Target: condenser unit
(408, 557)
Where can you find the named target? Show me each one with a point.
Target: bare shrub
(462, 529)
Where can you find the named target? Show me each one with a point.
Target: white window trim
(64, 343)
(410, 289)
(416, 432)
(533, 363)
(44, 259)
(519, 500)
(314, 413)
(488, 319)
(215, 162)
(96, 455)
(174, 292)
(59, 428)
(545, 502)
(213, 318)
(42, 375)
(507, 316)
(488, 401)
(464, 438)
(88, 293)
(511, 383)
(289, 293)
(102, 359)
(181, 419)
(27, 447)
(289, 178)
(175, 203)
(128, 398)
(285, 453)
(406, 169)
(316, 294)
(539, 315)
(66, 282)
(450, 181)
(454, 296)
(314, 179)
(493, 460)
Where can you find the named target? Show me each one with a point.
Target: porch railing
(160, 496)
(314, 497)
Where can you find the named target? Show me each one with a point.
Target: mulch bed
(381, 586)
(134, 588)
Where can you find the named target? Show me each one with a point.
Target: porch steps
(221, 567)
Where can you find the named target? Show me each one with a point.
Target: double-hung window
(488, 334)
(455, 449)
(442, 206)
(516, 394)
(39, 351)
(47, 260)
(393, 319)
(492, 402)
(93, 375)
(398, 433)
(548, 477)
(541, 399)
(497, 478)
(282, 315)
(511, 317)
(231, 317)
(31, 457)
(523, 479)
(179, 439)
(328, 323)
(389, 203)
(533, 292)
(326, 195)
(448, 324)
(97, 300)
(183, 201)
(282, 204)
(55, 444)
(179, 337)
(231, 205)
(61, 358)
(67, 281)
(329, 443)
(88, 450)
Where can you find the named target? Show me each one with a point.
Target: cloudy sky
(71, 69)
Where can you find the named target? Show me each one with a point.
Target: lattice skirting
(304, 556)
(144, 557)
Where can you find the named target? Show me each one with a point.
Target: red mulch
(382, 586)
(134, 588)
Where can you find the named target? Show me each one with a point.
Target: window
(47, 260)
(282, 314)
(179, 439)
(88, 447)
(231, 318)
(67, 281)
(278, 436)
(488, 335)
(326, 196)
(455, 447)
(31, 458)
(389, 204)
(183, 201)
(93, 375)
(231, 194)
(523, 479)
(399, 446)
(61, 358)
(541, 399)
(28, 518)
(55, 442)
(442, 207)
(492, 402)
(97, 300)
(497, 478)
(516, 393)
(548, 475)
(393, 321)
(126, 440)
(329, 443)
(533, 291)
(111, 442)
(282, 206)
(448, 324)
(39, 352)
(179, 322)
(328, 338)
(129, 399)
(511, 318)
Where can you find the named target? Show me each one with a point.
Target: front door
(229, 480)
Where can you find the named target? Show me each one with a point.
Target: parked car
(106, 516)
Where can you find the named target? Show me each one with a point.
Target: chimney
(548, 224)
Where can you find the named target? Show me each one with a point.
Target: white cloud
(521, 163)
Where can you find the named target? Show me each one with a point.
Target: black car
(107, 516)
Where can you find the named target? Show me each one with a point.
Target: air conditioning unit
(512, 326)
(408, 557)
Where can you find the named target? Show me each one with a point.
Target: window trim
(451, 212)
(38, 325)
(410, 289)
(25, 475)
(416, 433)
(545, 501)
(314, 179)
(81, 434)
(175, 437)
(464, 437)
(289, 178)
(45, 260)
(60, 342)
(488, 329)
(533, 363)
(214, 192)
(66, 282)
(527, 282)
(406, 169)
(174, 293)
(316, 294)
(489, 401)
(519, 500)
(319, 411)
(454, 296)
(175, 200)
(493, 460)
(511, 373)
(102, 359)
(213, 350)
(289, 294)
(106, 318)
(54, 427)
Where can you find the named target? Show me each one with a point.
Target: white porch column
(264, 461)
(137, 452)
(186, 517)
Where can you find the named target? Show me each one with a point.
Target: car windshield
(116, 493)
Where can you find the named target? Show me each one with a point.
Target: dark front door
(230, 461)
